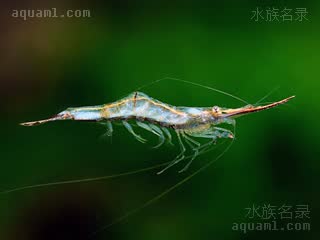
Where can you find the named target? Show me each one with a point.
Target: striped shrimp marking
(188, 123)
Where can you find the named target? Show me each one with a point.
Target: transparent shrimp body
(157, 117)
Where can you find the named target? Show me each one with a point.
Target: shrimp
(188, 123)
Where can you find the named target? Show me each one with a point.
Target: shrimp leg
(181, 155)
(213, 134)
(189, 139)
(109, 129)
(161, 135)
(200, 150)
(167, 132)
(151, 129)
(129, 128)
(192, 143)
(226, 133)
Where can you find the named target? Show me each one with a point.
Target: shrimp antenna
(267, 95)
(162, 194)
(195, 84)
(84, 180)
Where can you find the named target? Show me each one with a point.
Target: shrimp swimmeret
(158, 117)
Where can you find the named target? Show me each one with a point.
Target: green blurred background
(50, 64)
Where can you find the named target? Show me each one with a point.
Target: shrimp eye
(215, 109)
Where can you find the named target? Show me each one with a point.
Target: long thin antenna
(151, 201)
(267, 95)
(195, 84)
(83, 180)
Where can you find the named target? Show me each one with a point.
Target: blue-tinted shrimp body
(143, 108)
(156, 117)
